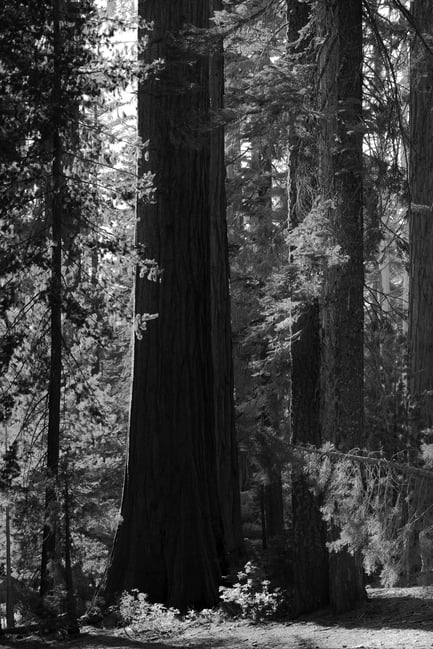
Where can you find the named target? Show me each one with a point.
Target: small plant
(142, 616)
(251, 597)
(205, 616)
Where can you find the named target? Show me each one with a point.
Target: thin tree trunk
(49, 558)
(170, 542)
(263, 517)
(342, 300)
(274, 508)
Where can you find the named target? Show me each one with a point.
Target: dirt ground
(398, 618)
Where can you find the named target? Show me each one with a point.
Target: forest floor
(397, 618)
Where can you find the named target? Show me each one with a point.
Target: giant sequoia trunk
(226, 447)
(342, 299)
(421, 218)
(170, 542)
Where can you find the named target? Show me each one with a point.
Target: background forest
(236, 194)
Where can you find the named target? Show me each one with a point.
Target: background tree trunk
(274, 506)
(170, 542)
(420, 343)
(341, 310)
(421, 220)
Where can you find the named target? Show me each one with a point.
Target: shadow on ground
(390, 618)
(103, 641)
(87, 640)
(400, 608)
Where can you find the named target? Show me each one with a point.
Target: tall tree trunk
(342, 299)
(170, 542)
(311, 566)
(421, 219)
(226, 446)
(420, 343)
(55, 202)
(311, 560)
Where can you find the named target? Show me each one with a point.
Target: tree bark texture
(226, 446)
(170, 543)
(421, 218)
(342, 299)
(311, 559)
(310, 565)
(274, 506)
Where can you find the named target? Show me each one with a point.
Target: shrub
(141, 615)
(251, 597)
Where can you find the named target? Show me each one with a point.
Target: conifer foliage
(62, 300)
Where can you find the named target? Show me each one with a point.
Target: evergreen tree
(257, 88)
(55, 201)
(420, 219)
(311, 582)
(342, 302)
(170, 543)
(225, 431)
(51, 66)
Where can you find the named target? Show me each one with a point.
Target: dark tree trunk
(420, 342)
(311, 565)
(274, 509)
(170, 541)
(263, 516)
(54, 206)
(311, 559)
(421, 220)
(226, 446)
(342, 300)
